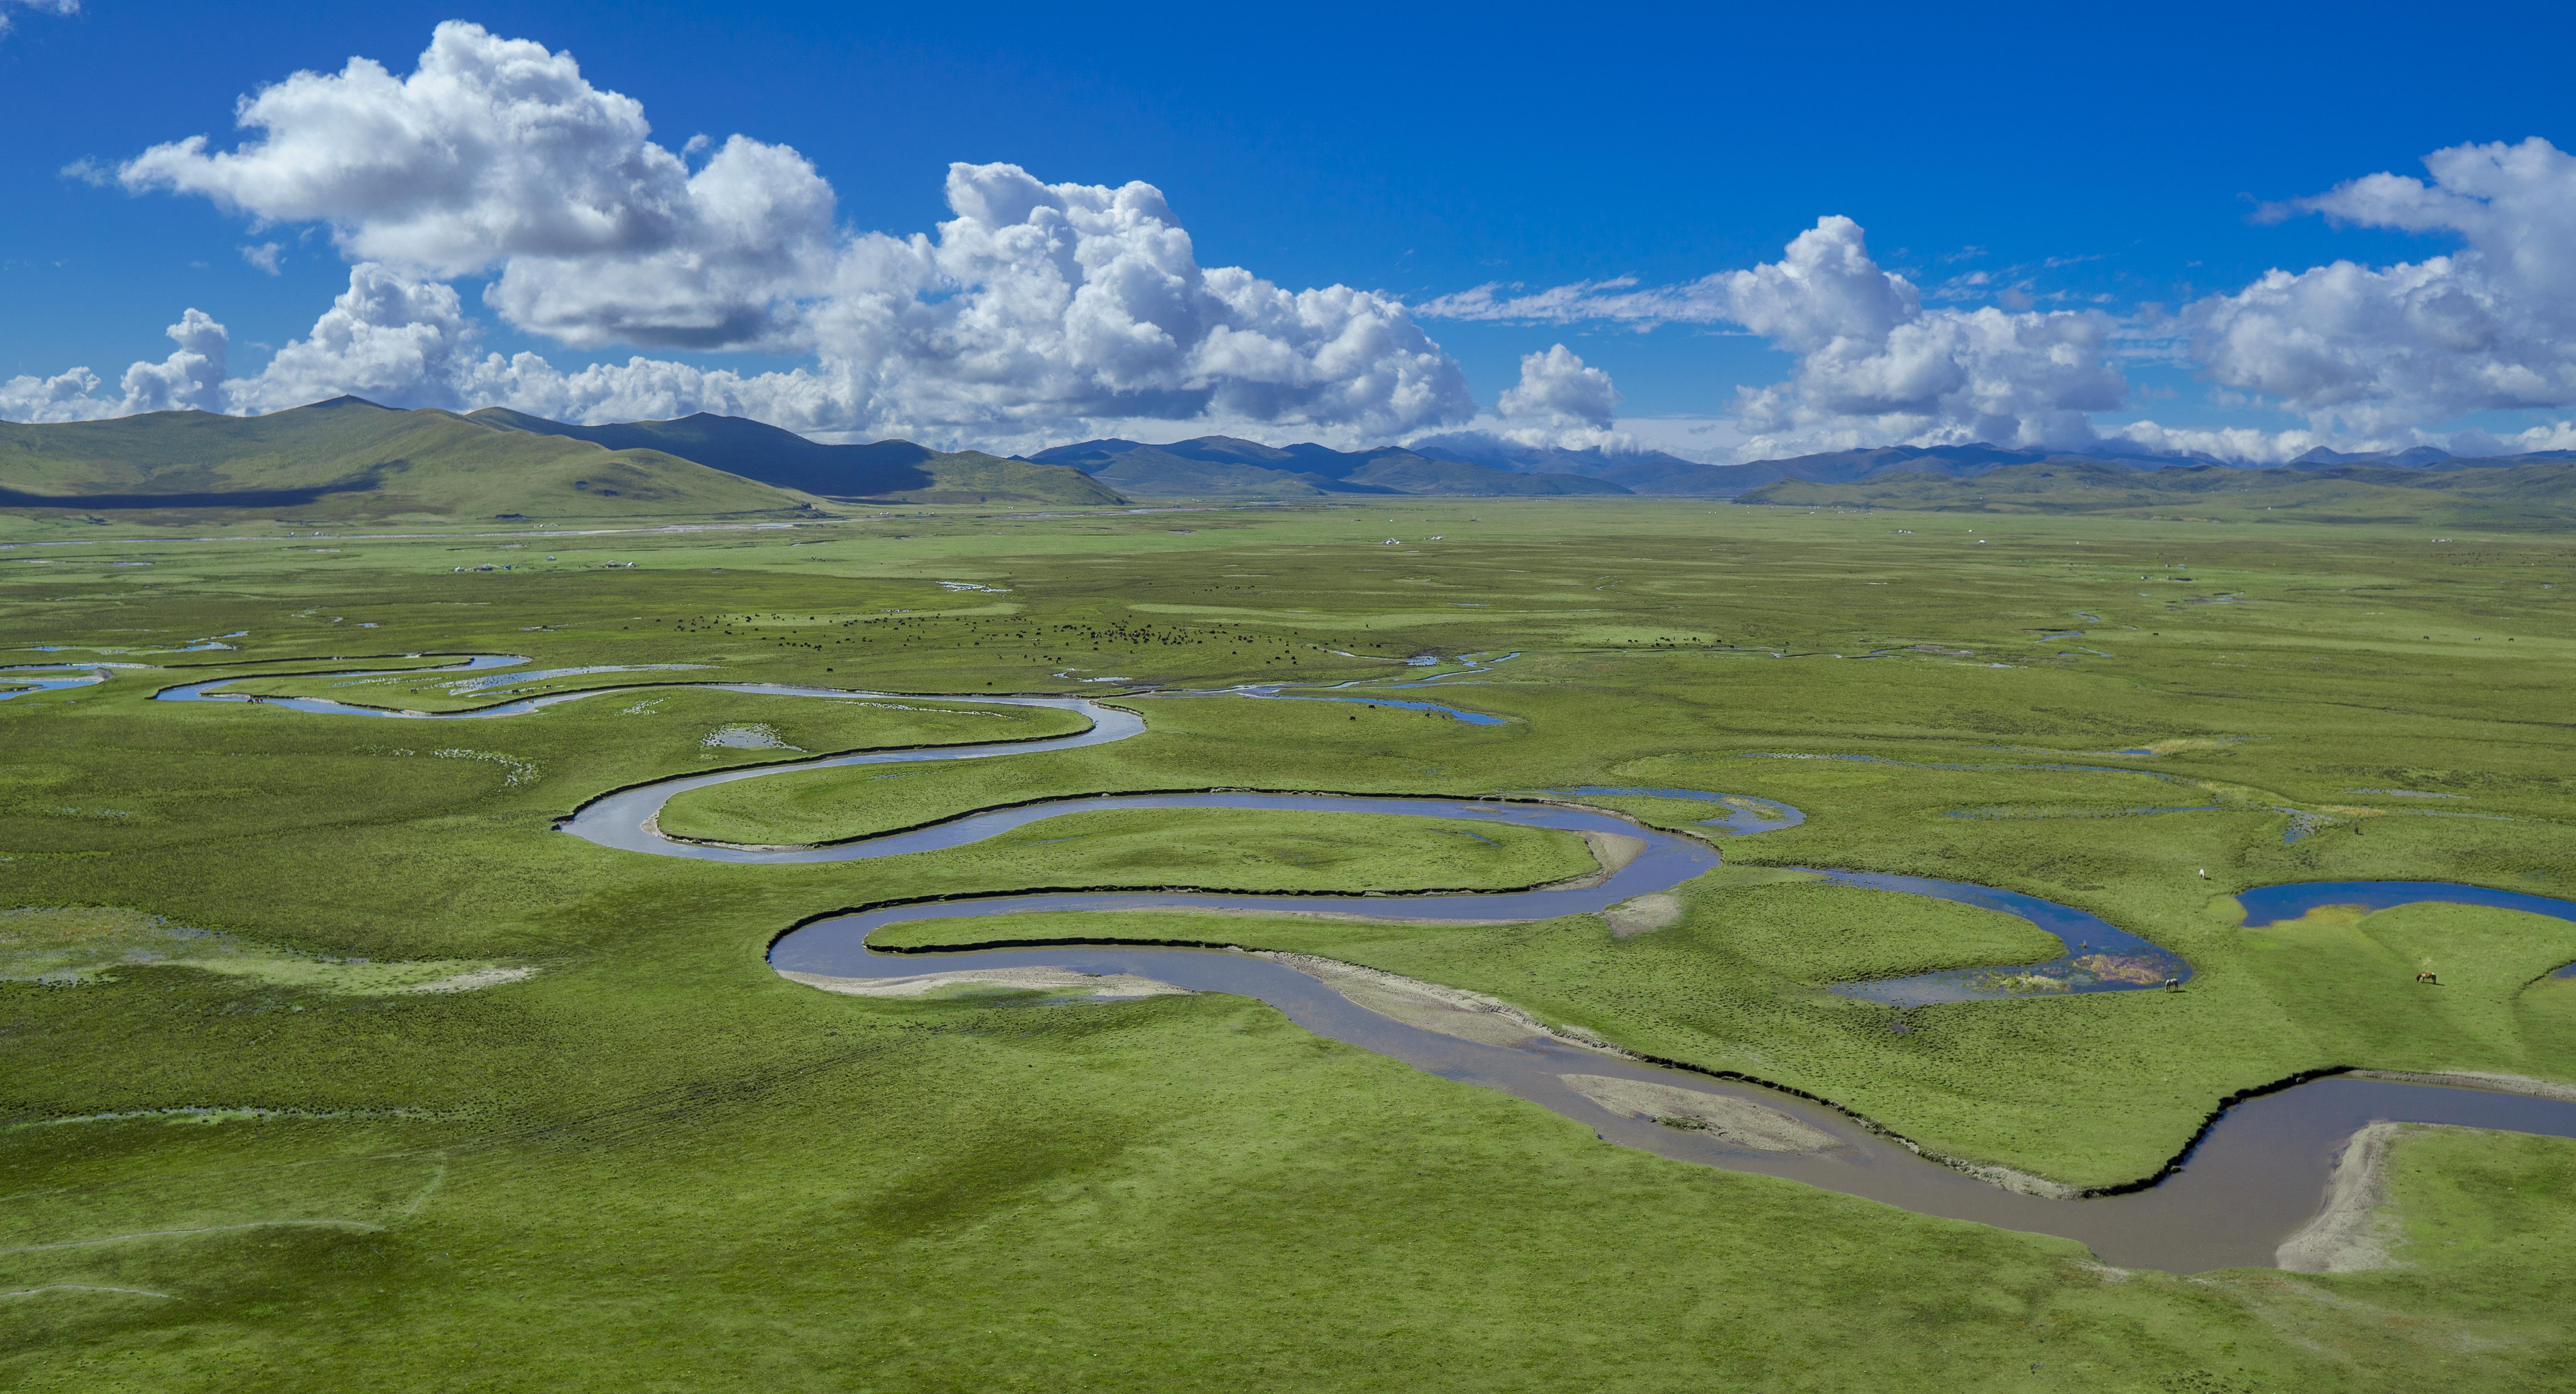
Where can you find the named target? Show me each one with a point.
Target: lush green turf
(654, 1164)
(1232, 849)
(2499, 1200)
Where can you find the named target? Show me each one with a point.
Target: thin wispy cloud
(54, 7)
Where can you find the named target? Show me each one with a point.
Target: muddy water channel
(2252, 1180)
(2258, 1174)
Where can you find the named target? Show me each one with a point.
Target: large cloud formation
(2492, 326)
(497, 155)
(191, 377)
(1037, 308)
(2368, 356)
(1873, 364)
(1039, 312)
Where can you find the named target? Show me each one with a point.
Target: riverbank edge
(652, 821)
(1996, 1174)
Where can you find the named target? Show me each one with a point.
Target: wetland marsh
(651, 1143)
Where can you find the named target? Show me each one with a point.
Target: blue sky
(2109, 162)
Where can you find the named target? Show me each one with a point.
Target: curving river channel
(2257, 1174)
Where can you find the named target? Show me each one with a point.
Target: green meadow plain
(330, 1065)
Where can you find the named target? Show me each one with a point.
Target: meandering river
(2256, 1175)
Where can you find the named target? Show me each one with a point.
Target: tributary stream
(2258, 1174)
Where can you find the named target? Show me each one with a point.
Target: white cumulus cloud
(66, 396)
(496, 154)
(1874, 365)
(2246, 444)
(2374, 349)
(391, 338)
(1557, 384)
(192, 377)
(1038, 309)
(496, 180)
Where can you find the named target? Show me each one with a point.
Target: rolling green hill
(891, 470)
(2537, 495)
(1225, 467)
(347, 459)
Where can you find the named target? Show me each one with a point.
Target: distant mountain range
(349, 459)
(2521, 491)
(1476, 464)
(2426, 457)
(1224, 467)
(895, 471)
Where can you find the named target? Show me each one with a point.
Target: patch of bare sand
(1643, 915)
(2472, 1079)
(2351, 1234)
(1739, 1121)
(1469, 1016)
(1614, 850)
(1103, 986)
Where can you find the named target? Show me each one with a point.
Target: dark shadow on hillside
(227, 498)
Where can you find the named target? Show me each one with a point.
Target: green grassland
(63, 947)
(1243, 850)
(651, 1163)
(2093, 1091)
(2537, 495)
